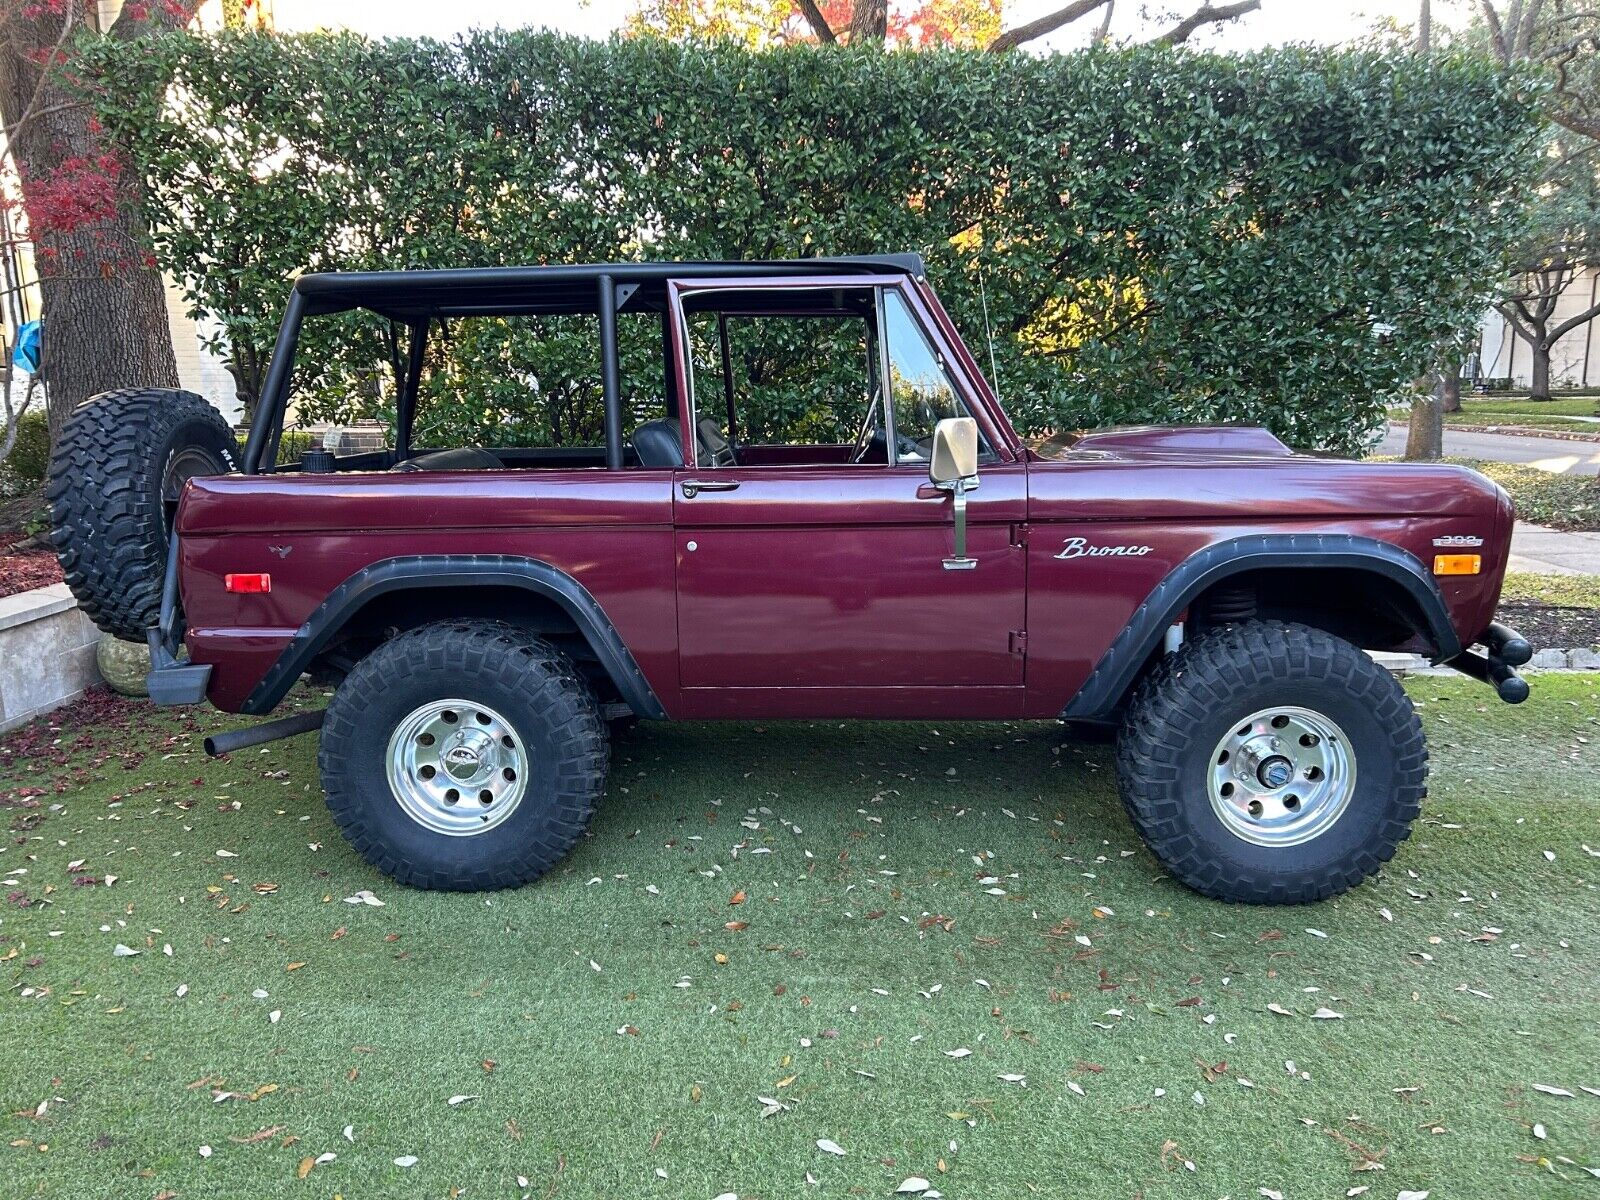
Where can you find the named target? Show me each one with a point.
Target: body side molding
(458, 571)
(1114, 674)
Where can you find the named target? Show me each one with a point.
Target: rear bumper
(1505, 651)
(173, 680)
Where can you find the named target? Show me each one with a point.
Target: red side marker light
(247, 583)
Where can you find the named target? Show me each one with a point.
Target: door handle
(693, 487)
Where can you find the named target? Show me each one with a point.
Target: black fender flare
(1117, 669)
(458, 571)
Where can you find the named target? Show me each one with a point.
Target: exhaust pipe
(219, 744)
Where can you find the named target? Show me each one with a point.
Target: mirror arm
(959, 489)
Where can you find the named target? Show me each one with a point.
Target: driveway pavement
(1555, 455)
(1553, 551)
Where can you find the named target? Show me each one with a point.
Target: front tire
(463, 756)
(1271, 763)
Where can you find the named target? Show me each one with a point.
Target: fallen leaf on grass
(1551, 1091)
(914, 1183)
(121, 951)
(1327, 1014)
(364, 897)
(406, 1160)
(830, 1147)
(305, 1166)
(959, 1052)
(1279, 1009)
(457, 1101)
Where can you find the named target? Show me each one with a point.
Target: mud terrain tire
(115, 474)
(1193, 769)
(433, 693)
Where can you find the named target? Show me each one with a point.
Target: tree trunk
(869, 22)
(1450, 389)
(1541, 371)
(1425, 438)
(103, 306)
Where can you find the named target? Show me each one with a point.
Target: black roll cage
(415, 299)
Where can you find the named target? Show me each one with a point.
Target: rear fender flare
(458, 571)
(1119, 667)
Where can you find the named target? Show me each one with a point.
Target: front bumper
(1505, 651)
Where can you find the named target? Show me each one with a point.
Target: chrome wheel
(457, 767)
(1282, 776)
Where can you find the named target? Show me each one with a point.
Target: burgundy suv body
(689, 573)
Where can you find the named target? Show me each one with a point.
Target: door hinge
(1019, 535)
(1019, 641)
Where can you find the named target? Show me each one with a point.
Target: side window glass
(920, 390)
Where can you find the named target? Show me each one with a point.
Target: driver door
(811, 574)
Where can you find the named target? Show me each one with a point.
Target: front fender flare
(458, 571)
(1117, 669)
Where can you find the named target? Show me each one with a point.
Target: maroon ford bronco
(872, 539)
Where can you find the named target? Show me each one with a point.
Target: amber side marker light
(1457, 564)
(263, 583)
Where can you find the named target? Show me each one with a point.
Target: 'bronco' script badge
(1079, 548)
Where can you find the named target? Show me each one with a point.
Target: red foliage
(78, 191)
(26, 570)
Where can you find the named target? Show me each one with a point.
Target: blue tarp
(26, 355)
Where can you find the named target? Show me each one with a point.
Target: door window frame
(954, 363)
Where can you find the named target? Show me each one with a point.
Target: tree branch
(1208, 14)
(818, 23)
(1049, 23)
(1104, 31)
(1571, 323)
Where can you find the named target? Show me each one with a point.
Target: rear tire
(463, 756)
(115, 475)
(1271, 763)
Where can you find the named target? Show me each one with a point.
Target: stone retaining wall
(47, 651)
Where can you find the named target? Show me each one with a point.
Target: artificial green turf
(846, 839)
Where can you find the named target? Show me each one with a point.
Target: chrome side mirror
(953, 467)
(955, 452)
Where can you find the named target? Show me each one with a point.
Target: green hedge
(1279, 237)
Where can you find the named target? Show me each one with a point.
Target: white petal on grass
(726, 1196)
(456, 1101)
(1279, 1009)
(325, 1159)
(121, 951)
(205, 1151)
(828, 1146)
(406, 1160)
(274, 1015)
(1327, 1014)
(1538, 1131)
(958, 1052)
(364, 896)
(350, 1134)
(1316, 933)
(1075, 1088)
(912, 1183)
(183, 990)
(1548, 1090)
(226, 854)
(1412, 1196)
(1270, 1193)
(1019, 1080)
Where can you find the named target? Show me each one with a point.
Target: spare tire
(117, 469)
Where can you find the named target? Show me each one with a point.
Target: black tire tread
(516, 659)
(1202, 678)
(106, 518)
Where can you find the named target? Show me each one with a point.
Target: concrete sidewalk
(1554, 552)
